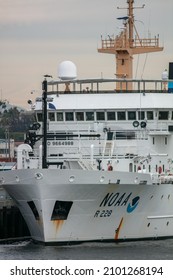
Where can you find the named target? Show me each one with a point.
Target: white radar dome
(67, 70)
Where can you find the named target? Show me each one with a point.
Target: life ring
(135, 123)
(143, 124)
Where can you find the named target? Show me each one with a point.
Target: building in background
(6, 150)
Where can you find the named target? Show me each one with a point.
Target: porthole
(72, 178)
(17, 179)
(102, 178)
(38, 176)
(136, 180)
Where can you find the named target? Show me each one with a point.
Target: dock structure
(12, 224)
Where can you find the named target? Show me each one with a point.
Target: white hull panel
(77, 205)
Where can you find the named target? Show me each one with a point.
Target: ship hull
(63, 206)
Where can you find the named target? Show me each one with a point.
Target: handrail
(101, 85)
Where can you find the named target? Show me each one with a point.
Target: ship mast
(125, 45)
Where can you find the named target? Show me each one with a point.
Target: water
(141, 250)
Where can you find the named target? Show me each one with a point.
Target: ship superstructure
(112, 128)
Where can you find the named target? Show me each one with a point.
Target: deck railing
(119, 42)
(109, 86)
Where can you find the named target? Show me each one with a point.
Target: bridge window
(111, 116)
(163, 115)
(131, 115)
(141, 115)
(89, 116)
(80, 116)
(150, 115)
(59, 116)
(51, 116)
(100, 116)
(69, 116)
(121, 116)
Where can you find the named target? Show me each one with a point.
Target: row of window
(4, 151)
(97, 116)
(105, 116)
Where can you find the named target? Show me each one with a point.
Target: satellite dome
(67, 70)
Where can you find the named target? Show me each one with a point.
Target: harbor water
(141, 250)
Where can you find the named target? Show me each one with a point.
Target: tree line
(16, 122)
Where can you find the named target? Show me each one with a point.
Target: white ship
(98, 162)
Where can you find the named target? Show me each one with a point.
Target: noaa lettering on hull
(97, 164)
(112, 198)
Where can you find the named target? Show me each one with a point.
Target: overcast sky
(37, 35)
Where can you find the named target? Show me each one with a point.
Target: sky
(37, 35)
